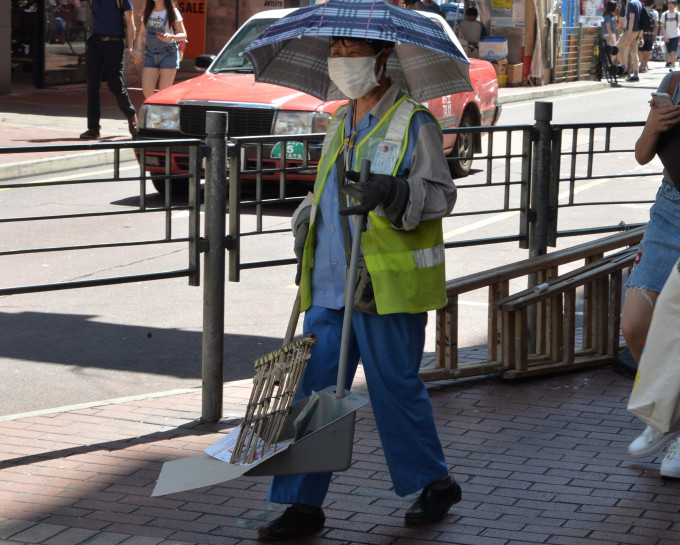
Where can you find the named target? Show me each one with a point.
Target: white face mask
(354, 76)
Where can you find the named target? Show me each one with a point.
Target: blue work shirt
(330, 265)
(107, 19)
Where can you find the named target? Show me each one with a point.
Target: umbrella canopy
(293, 52)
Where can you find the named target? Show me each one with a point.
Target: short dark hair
(376, 45)
(472, 11)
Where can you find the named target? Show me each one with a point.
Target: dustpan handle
(359, 224)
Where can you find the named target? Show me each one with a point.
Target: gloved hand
(380, 189)
(300, 230)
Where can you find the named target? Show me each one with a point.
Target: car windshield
(231, 59)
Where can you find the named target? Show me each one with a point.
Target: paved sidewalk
(539, 461)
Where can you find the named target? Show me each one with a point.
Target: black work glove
(301, 229)
(380, 189)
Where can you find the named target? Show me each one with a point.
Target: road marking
(479, 224)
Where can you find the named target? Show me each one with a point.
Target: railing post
(540, 186)
(214, 263)
(540, 198)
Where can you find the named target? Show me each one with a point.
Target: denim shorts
(672, 44)
(165, 58)
(660, 246)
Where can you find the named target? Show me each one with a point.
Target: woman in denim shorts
(660, 246)
(162, 29)
(658, 252)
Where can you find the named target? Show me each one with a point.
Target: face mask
(354, 76)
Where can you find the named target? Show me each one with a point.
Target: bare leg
(636, 317)
(149, 79)
(167, 77)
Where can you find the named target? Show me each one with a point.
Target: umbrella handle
(359, 225)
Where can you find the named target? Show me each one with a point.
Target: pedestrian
(409, 191)
(158, 44)
(472, 30)
(669, 27)
(648, 37)
(608, 25)
(658, 252)
(431, 6)
(628, 42)
(112, 25)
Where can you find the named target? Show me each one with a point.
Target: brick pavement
(539, 461)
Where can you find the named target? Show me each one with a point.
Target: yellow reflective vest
(406, 267)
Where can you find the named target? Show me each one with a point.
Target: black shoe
(668, 65)
(432, 505)
(632, 78)
(132, 126)
(90, 134)
(293, 523)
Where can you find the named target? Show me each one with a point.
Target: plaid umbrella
(293, 51)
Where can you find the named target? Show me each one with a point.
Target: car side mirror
(202, 62)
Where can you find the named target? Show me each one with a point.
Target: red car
(257, 109)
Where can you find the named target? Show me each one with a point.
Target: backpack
(646, 21)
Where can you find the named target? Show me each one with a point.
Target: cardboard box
(500, 67)
(493, 48)
(515, 73)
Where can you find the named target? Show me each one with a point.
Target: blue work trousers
(391, 349)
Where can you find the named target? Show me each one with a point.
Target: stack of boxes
(495, 50)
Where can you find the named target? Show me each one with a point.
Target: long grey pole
(214, 268)
(359, 224)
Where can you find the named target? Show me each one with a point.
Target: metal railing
(523, 169)
(191, 237)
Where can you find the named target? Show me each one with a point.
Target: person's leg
(391, 349)
(115, 52)
(94, 64)
(321, 371)
(307, 492)
(636, 316)
(634, 52)
(167, 78)
(149, 79)
(623, 44)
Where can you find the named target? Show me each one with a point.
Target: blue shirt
(107, 19)
(330, 264)
(634, 6)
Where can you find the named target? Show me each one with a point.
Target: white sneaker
(651, 442)
(670, 465)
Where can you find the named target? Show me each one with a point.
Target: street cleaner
(401, 278)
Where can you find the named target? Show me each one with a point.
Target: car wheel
(463, 147)
(180, 187)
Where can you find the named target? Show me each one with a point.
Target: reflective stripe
(429, 257)
(338, 119)
(399, 122)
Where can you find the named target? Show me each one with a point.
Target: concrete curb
(60, 163)
(552, 90)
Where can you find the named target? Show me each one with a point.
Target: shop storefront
(48, 41)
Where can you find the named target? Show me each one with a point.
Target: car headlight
(300, 122)
(159, 117)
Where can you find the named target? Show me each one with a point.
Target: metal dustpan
(314, 435)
